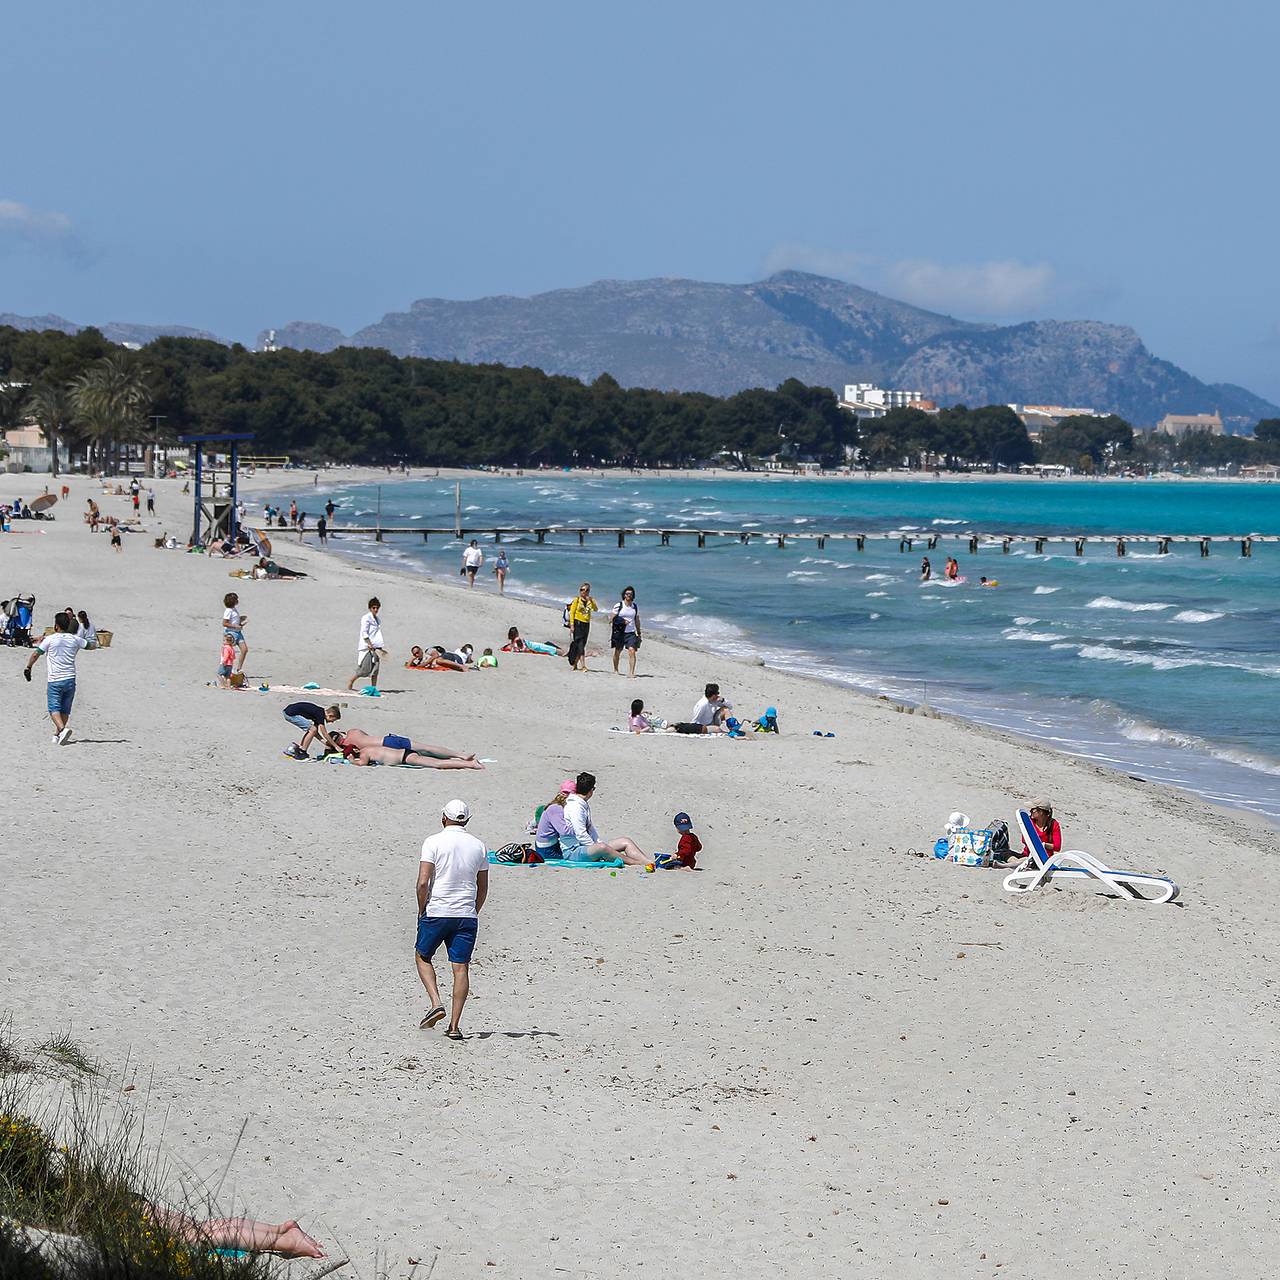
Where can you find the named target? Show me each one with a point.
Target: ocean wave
(726, 637)
(872, 595)
(940, 520)
(1133, 658)
(804, 573)
(1196, 615)
(1024, 622)
(1044, 591)
(688, 600)
(1137, 730)
(1040, 637)
(881, 577)
(1129, 606)
(873, 616)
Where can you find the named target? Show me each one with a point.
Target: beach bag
(999, 838)
(517, 853)
(969, 846)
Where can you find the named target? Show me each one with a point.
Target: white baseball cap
(457, 811)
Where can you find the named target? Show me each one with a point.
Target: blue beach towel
(557, 862)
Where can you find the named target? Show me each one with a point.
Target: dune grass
(75, 1162)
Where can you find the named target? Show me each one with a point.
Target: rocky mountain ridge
(689, 335)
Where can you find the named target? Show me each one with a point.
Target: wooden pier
(906, 543)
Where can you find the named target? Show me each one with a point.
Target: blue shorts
(397, 743)
(458, 933)
(224, 671)
(61, 695)
(299, 722)
(236, 637)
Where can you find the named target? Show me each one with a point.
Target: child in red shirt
(686, 855)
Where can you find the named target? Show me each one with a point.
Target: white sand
(781, 1066)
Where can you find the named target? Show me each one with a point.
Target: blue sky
(235, 166)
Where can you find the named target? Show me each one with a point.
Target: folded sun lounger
(1072, 864)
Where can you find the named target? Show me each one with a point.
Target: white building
(1178, 424)
(866, 400)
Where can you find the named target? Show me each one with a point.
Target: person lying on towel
(393, 748)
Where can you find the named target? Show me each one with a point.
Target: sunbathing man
(363, 748)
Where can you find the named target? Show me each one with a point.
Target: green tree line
(366, 405)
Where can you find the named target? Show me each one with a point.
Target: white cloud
(1003, 289)
(21, 225)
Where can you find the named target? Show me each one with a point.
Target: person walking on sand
(501, 567)
(472, 559)
(59, 651)
(581, 607)
(371, 647)
(453, 883)
(151, 502)
(322, 528)
(625, 632)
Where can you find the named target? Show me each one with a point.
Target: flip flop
(433, 1016)
(455, 1034)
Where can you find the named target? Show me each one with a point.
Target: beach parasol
(263, 541)
(43, 502)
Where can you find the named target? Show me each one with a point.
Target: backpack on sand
(517, 853)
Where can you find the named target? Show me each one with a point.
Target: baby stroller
(18, 613)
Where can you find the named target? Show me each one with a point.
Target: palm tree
(50, 406)
(110, 400)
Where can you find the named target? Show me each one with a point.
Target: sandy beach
(818, 1056)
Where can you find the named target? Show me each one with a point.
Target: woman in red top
(1046, 828)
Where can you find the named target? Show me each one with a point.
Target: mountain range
(691, 335)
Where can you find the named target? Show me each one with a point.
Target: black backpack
(999, 829)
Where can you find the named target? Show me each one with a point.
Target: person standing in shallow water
(926, 570)
(472, 559)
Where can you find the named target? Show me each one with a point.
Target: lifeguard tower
(216, 472)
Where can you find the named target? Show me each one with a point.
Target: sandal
(433, 1016)
(454, 1034)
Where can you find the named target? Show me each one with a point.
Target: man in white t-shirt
(472, 559)
(371, 647)
(453, 882)
(711, 710)
(59, 651)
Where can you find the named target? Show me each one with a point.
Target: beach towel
(311, 688)
(557, 862)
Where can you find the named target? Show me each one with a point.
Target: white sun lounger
(1072, 864)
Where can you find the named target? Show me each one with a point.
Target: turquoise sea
(1167, 667)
